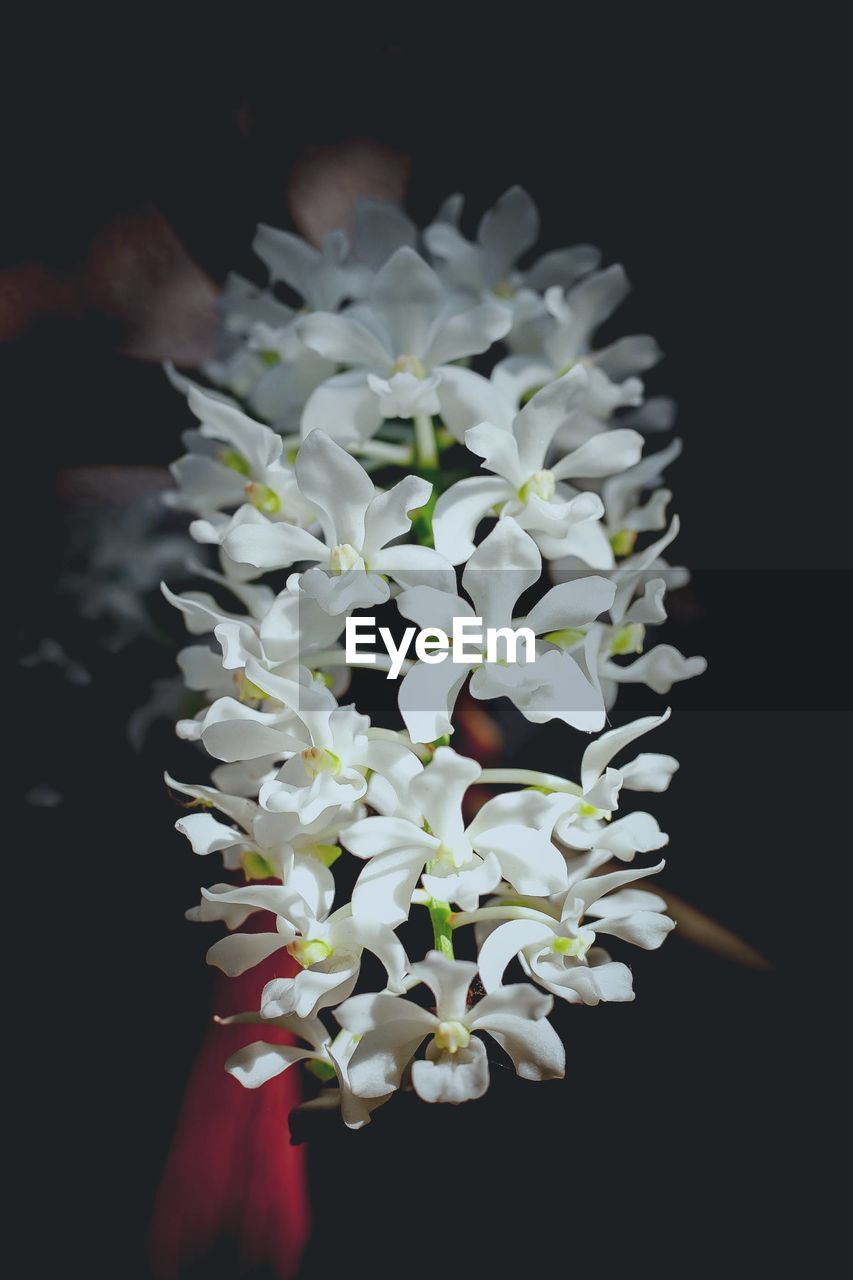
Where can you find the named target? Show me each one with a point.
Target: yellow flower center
(409, 364)
(343, 557)
(540, 485)
(623, 541)
(308, 951)
(318, 760)
(234, 461)
(264, 498)
(451, 1036)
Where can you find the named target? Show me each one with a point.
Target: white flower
(259, 1062)
(562, 332)
(380, 348)
(553, 686)
(264, 845)
(560, 953)
(360, 526)
(586, 823)
(510, 839)
(328, 948)
(235, 462)
(285, 631)
(524, 488)
(455, 1068)
(398, 343)
(330, 747)
(489, 265)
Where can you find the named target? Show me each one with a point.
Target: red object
(231, 1173)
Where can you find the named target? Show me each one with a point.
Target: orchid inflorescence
(348, 445)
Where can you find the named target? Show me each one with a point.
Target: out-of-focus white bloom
(553, 686)
(489, 266)
(455, 1068)
(398, 343)
(234, 462)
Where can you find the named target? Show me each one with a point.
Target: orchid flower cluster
(428, 402)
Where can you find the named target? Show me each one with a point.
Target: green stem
(442, 930)
(425, 443)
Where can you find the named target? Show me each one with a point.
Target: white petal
(589, 891)
(571, 604)
(504, 943)
(468, 333)
(452, 1077)
(322, 986)
(344, 407)
(502, 568)
(379, 939)
(343, 340)
(408, 296)
(241, 951)
(449, 981)
(599, 753)
(648, 772)
(371, 836)
(660, 668)
(427, 697)
(338, 487)
(260, 1062)
(459, 511)
(206, 835)
(387, 516)
(604, 455)
(534, 1046)
(468, 398)
(439, 790)
(273, 546)
(499, 450)
(383, 891)
(528, 859)
(646, 929)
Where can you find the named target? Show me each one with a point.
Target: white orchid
(259, 1062)
(562, 521)
(489, 266)
(328, 948)
(360, 525)
(331, 750)
(370, 379)
(398, 344)
(264, 845)
(235, 462)
(455, 1068)
(509, 839)
(551, 686)
(287, 630)
(556, 945)
(561, 333)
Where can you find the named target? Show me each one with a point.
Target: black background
(697, 149)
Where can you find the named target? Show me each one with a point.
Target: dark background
(699, 150)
